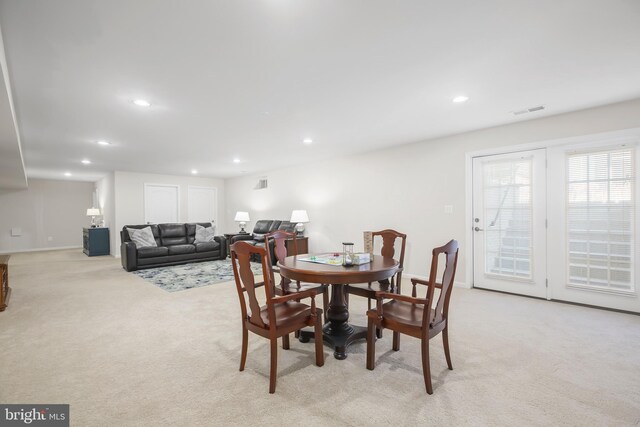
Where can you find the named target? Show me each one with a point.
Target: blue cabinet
(95, 241)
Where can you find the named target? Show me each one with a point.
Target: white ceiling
(251, 79)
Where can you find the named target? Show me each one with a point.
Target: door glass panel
(600, 217)
(507, 193)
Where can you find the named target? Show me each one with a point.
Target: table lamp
(93, 213)
(242, 218)
(300, 217)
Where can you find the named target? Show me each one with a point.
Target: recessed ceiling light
(142, 103)
(194, 171)
(236, 160)
(460, 98)
(86, 161)
(104, 143)
(307, 141)
(67, 174)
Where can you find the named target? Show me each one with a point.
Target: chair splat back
(245, 280)
(450, 252)
(279, 238)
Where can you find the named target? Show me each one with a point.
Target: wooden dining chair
(286, 286)
(416, 316)
(393, 284)
(280, 316)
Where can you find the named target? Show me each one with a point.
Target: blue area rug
(195, 275)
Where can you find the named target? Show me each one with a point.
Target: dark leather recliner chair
(175, 246)
(262, 228)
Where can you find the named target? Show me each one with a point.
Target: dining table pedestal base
(337, 332)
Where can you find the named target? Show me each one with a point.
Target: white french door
(593, 220)
(509, 211)
(161, 203)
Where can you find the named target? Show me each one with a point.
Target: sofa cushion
(142, 237)
(181, 249)
(262, 226)
(152, 251)
(191, 229)
(208, 246)
(204, 234)
(173, 234)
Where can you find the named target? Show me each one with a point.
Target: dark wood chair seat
(415, 316)
(287, 313)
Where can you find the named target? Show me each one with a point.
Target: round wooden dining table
(337, 331)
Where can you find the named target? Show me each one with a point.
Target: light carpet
(193, 275)
(123, 352)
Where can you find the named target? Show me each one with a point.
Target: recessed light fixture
(86, 162)
(104, 142)
(67, 174)
(236, 160)
(461, 98)
(142, 103)
(307, 141)
(194, 171)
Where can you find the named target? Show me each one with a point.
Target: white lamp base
(242, 225)
(300, 229)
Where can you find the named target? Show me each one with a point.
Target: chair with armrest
(280, 316)
(415, 316)
(277, 239)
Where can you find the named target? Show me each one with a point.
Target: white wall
(48, 208)
(129, 197)
(105, 194)
(405, 188)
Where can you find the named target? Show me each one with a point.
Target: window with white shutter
(600, 220)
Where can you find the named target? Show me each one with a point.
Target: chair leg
(245, 343)
(426, 369)
(285, 342)
(371, 345)
(319, 343)
(445, 344)
(396, 341)
(274, 366)
(325, 304)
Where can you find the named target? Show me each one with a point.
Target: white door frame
(602, 138)
(144, 197)
(215, 199)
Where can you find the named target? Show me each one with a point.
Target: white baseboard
(457, 284)
(56, 248)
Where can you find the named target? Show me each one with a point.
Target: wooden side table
(228, 237)
(5, 290)
(302, 244)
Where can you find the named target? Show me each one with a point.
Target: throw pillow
(204, 234)
(142, 237)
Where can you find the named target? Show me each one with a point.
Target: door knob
(478, 229)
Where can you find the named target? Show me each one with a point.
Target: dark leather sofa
(263, 227)
(175, 246)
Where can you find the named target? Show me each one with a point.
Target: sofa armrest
(223, 246)
(129, 256)
(240, 237)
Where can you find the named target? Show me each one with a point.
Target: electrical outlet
(448, 209)
(50, 239)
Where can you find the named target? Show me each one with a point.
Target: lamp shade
(93, 212)
(299, 216)
(242, 216)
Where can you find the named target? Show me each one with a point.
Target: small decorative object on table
(347, 254)
(368, 242)
(360, 258)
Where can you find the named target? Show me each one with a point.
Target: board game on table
(332, 258)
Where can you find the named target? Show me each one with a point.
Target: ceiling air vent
(528, 110)
(262, 183)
